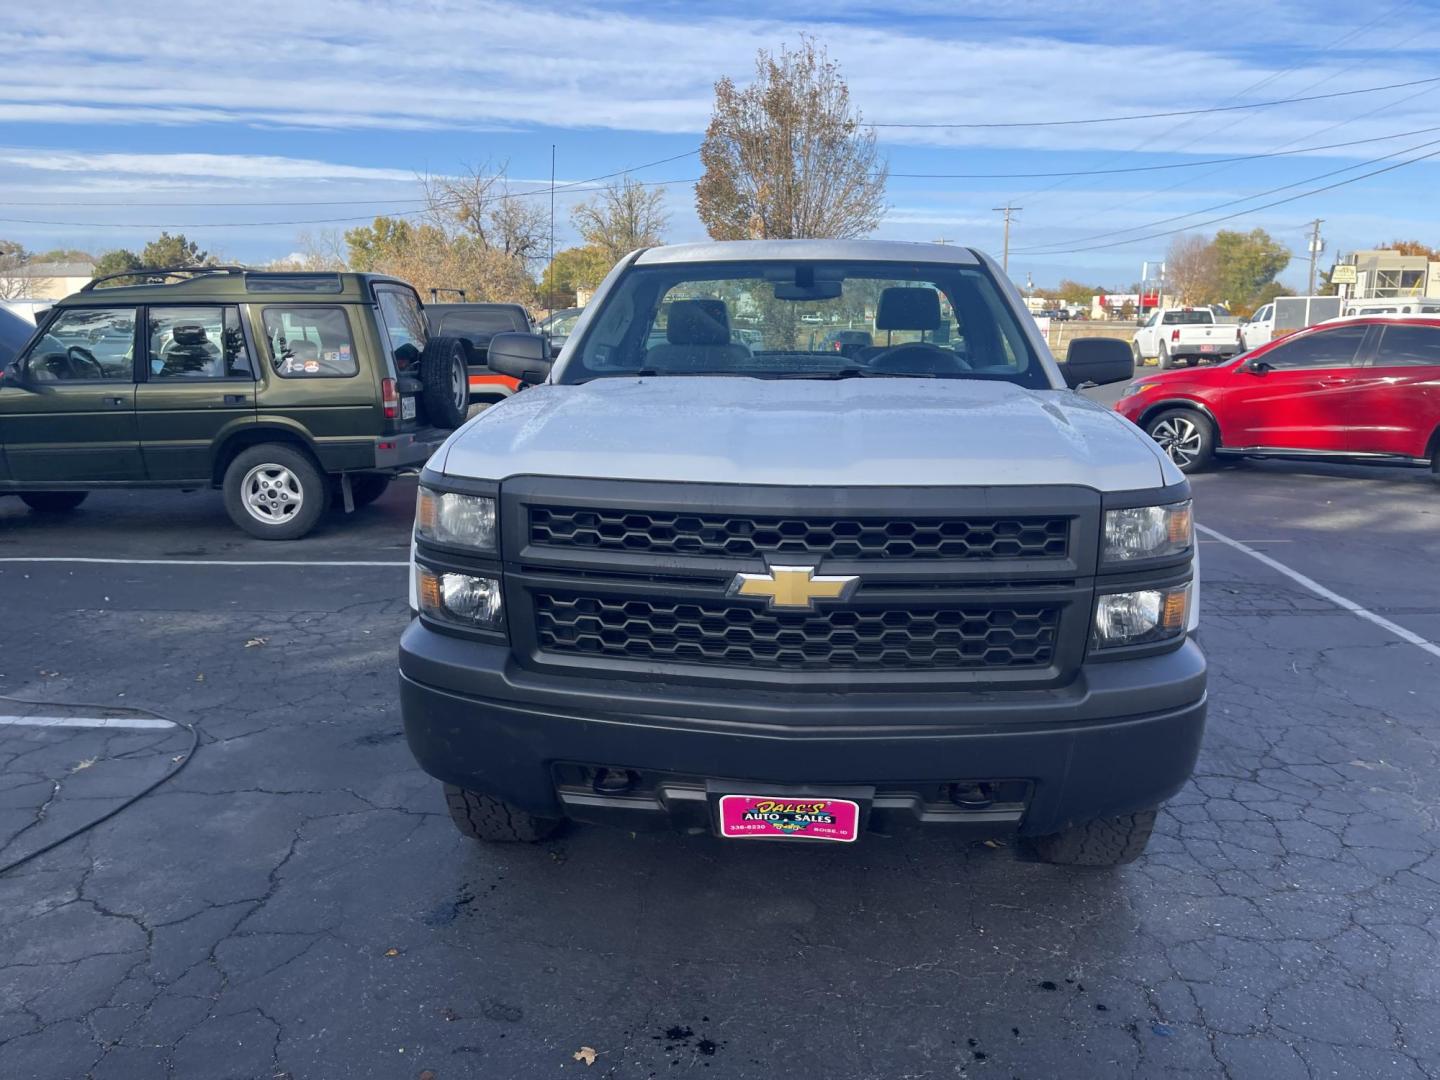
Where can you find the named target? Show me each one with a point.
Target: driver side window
(86, 345)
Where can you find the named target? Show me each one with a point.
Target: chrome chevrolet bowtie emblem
(795, 588)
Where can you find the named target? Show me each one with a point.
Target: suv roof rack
(163, 271)
(435, 294)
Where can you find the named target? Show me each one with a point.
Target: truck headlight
(1147, 532)
(467, 600)
(447, 517)
(1141, 617)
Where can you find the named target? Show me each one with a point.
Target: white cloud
(426, 64)
(231, 167)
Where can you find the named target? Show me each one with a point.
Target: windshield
(806, 319)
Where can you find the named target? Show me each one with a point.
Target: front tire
(1166, 363)
(1186, 436)
(275, 492)
(1137, 354)
(484, 817)
(1104, 842)
(53, 502)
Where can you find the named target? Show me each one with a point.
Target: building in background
(1382, 273)
(46, 281)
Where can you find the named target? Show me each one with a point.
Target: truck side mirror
(521, 356)
(1098, 361)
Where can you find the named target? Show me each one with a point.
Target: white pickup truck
(774, 591)
(1185, 334)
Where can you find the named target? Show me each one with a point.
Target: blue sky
(116, 120)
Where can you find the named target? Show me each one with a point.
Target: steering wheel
(919, 357)
(77, 355)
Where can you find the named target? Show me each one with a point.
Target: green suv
(289, 391)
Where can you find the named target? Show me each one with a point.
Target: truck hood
(854, 432)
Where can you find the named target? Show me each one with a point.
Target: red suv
(1362, 388)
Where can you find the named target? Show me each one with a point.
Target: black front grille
(729, 634)
(749, 535)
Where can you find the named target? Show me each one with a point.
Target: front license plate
(766, 817)
(407, 408)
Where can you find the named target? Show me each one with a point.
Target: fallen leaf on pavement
(585, 1054)
(392, 952)
(84, 764)
(256, 642)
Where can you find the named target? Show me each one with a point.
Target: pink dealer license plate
(771, 818)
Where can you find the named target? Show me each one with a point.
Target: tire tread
(484, 817)
(1112, 841)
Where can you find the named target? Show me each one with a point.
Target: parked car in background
(847, 342)
(29, 310)
(557, 326)
(1185, 335)
(1395, 305)
(792, 595)
(1285, 315)
(1364, 388)
(284, 390)
(475, 325)
(15, 331)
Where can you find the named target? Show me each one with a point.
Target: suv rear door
(1396, 403)
(75, 419)
(197, 384)
(402, 325)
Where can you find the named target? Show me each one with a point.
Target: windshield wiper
(652, 373)
(856, 373)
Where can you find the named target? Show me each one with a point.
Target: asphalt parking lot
(295, 903)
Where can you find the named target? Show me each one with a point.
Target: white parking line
(129, 723)
(1327, 594)
(199, 562)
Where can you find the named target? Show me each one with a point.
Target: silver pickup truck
(743, 584)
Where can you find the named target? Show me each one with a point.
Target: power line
(1042, 249)
(1151, 168)
(1176, 112)
(344, 202)
(1254, 209)
(439, 204)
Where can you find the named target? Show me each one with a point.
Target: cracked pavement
(297, 904)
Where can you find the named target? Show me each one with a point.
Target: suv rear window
(310, 342)
(404, 325)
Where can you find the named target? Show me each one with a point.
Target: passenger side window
(310, 342)
(1326, 349)
(1409, 346)
(86, 345)
(197, 343)
(404, 324)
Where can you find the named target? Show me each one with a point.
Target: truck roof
(235, 284)
(788, 250)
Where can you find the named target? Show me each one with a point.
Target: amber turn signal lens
(1177, 607)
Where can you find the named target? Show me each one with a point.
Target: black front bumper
(1121, 736)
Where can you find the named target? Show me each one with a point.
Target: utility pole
(1316, 246)
(1008, 211)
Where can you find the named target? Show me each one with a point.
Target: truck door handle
(234, 399)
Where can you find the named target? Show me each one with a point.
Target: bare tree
(788, 155)
(479, 203)
(13, 259)
(625, 216)
(1193, 270)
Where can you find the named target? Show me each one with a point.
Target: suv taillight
(390, 398)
